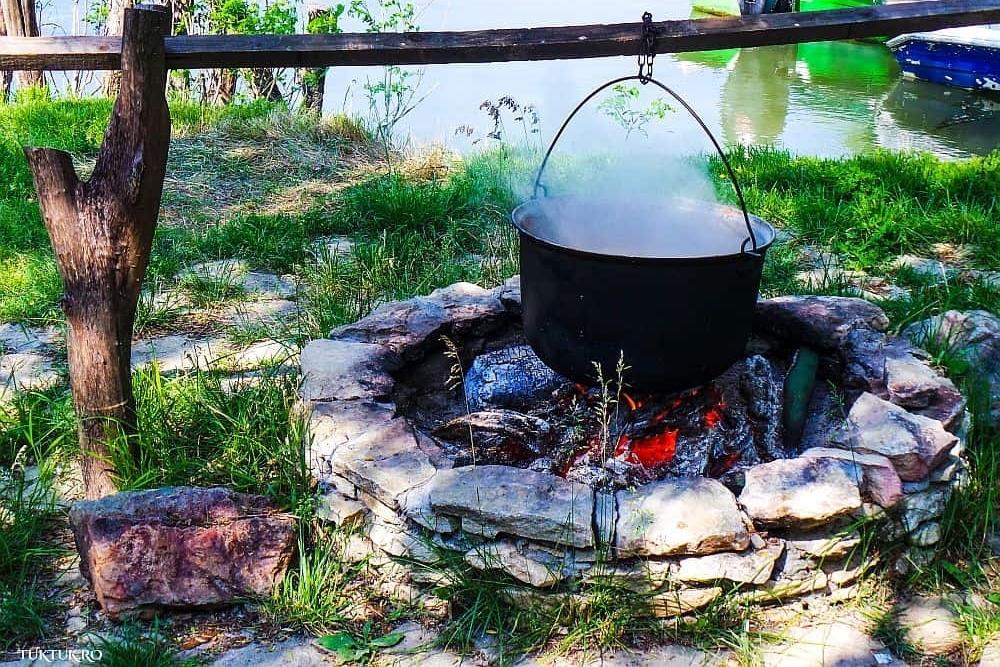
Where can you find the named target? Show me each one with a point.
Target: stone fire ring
(683, 540)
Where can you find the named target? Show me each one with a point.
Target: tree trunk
(102, 234)
(116, 17)
(20, 20)
(265, 85)
(6, 76)
(314, 79)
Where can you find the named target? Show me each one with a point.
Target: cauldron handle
(751, 237)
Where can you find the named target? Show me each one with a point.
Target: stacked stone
(682, 540)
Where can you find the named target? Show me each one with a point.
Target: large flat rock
(406, 326)
(496, 499)
(915, 444)
(343, 370)
(881, 484)
(801, 492)
(684, 516)
(820, 321)
(388, 460)
(181, 547)
(753, 566)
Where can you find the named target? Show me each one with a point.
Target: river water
(823, 99)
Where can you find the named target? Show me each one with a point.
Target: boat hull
(969, 66)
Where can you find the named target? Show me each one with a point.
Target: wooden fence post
(20, 19)
(102, 234)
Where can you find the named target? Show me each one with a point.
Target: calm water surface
(820, 99)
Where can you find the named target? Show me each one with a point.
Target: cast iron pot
(596, 293)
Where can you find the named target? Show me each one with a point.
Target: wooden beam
(424, 48)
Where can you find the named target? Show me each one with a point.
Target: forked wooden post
(102, 234)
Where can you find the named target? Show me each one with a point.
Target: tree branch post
(102, 235)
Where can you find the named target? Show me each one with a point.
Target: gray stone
(268, 285)
(270, 313)
(682, 601)
(975, 335)
(397, 541)
(332, 248)
(533, 566)
(917, 508)
(27, 371)
(329, 425)
(500, 499)
(679, 516)
(824, 643)
(229, 271)
(777, 591)
(954, 466)
(19, 339)
(991, 652)
(931, 625)
(263, 353)
(336, 369)
(800, 493)
(387, 461)
(510, 294)
(294, 652)
(639, 575)
(750, 567)
(915, 444)
(405, 326)
(928, 534)
(180, 352)
(340, 510)
(922, 266)
(820, 321)
(880, 483)
(917, 487)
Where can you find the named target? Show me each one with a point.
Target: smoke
(616, 185)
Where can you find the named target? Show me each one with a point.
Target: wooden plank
(423, 48)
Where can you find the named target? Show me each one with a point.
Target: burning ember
(619, 439)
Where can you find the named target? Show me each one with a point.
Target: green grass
(28, 517)
(233, 191)
(318, 594)
(872, 207)
(134, 645)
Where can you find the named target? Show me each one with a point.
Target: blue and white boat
(962, 57)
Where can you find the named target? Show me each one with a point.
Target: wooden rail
(423, 48)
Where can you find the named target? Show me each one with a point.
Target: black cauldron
(667, 285)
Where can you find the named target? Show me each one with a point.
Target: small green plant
(395, 95)
(316, 595)
(134, 646)
(623, 107)
(350, 648)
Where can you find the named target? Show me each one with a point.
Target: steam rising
(645, 227)
(613, 189)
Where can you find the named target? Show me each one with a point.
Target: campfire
(433, 423)
(523, 414)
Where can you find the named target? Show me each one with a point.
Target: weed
(134, 646)
(316, 596)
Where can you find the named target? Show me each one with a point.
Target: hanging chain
(647, 49)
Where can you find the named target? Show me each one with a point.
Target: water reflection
(923, 116)
(756, 94)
